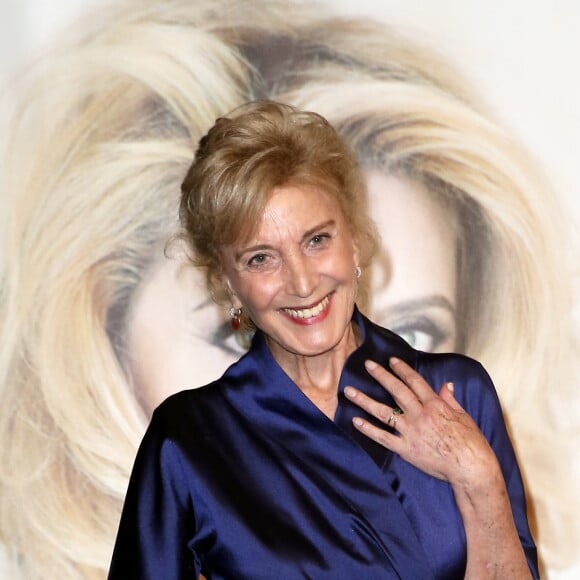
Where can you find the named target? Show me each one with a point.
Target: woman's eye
(418, 339)
(319, 239)
(258, 260)
(231, 342)
(423, 334)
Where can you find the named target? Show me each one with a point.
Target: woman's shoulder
(191, 411)
(189, 402)
(206, 396)
(474, 388)
(460, 365)
(187, 396)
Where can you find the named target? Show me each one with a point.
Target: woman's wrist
(494, 549)
(477, 472)
(481, 493)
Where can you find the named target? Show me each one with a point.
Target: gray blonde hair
(244, 157)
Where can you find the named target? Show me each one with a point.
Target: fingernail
(350, 392)
(394, 360)
(357, 421)
(450, 386)
(371, 365)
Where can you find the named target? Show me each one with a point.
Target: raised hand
(432, 432)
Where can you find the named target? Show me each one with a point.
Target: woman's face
(295, 277)
(178, 338)
(414, 274)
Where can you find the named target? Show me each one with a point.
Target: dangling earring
(357, 272)
(235, 315)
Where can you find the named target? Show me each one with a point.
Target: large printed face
(414, 274)
(178, 338)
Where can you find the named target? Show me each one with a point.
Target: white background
(522, 55)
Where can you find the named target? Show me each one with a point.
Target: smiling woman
(307, 414)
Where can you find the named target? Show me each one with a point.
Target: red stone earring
(235, 314)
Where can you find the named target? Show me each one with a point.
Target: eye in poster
(102, 315)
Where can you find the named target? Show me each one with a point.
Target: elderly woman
(97, 326)
(308, 458)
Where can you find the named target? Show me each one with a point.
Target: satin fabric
(247, 478)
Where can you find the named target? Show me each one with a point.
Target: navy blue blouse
(247, 478)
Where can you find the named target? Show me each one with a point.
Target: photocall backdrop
(101, 320)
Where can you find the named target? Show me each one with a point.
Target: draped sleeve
(158, 518)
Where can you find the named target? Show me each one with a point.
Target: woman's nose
(301, 276)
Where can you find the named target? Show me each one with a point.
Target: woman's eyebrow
(251, 249)
(431, 301)
(317, 228)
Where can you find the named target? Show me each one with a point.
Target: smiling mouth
(306, 313)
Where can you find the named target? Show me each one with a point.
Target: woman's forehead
(295, 208)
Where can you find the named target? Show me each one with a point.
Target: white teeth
(308, 312)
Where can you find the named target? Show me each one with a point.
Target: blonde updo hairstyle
(243, 158)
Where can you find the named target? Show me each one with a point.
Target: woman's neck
(318, 376)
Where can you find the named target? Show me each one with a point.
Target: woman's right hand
(433, 431)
